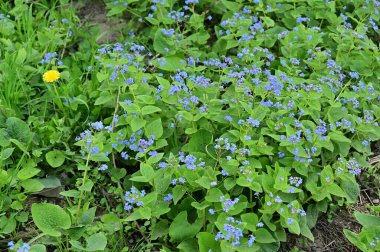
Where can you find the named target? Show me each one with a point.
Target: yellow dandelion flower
(51, 76)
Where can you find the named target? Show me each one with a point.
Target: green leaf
(268, 21)
(37, 248)
(4, 138)
(327, 176)
(32, 185)
(294, 227)
(206, 242)
(50, 182)
(21, 56)
(87, 186)
(55, 158)
(181, 229)
(200, 206)
(264, 236)
(96, 242)
(334, 189)
(188, 245)
(312, 215)
(146, 110)
(105, 97)
(88, 216)
(27, 172)
(173, 63)
(178, 192)
(101, 76)
(147, 171)
(16, 205)
(213, 195)
(251, 219)
(200, 140)
(18, 129)
(160, 229)
(231, 5)
(204, 182)
(162, 42)
(351, 188)
(6, 153)
(3, 177)
(354, 239)
(342, 141)
(7, 226)
(50, 219)
(196, 21)
(137, 123)
(70, 193)
(229, 183)
(146, 212)
(153, 21)
(154, 128)
(367, 219)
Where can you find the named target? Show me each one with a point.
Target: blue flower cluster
(25, 247)
(227, 203)
(233, 233)
(51, 58)
(133, 197)
(4, 18)
(190, 161)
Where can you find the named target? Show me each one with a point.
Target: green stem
(36, 238)
(83, 183)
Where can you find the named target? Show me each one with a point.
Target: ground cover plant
(207, 125)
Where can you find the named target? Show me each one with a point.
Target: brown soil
(94, 12)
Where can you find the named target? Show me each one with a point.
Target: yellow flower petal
(51, 76)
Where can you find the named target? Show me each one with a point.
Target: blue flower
(253, 122)
(251, 240)
(230, 232)
(162, 165)
(228, 118)
(97, 126)
(297, 181)
(11, 245)
(169, 197)
(260, 224)
(131, 197)
(290, 221)
(95, 150)
(103, 167)
(224, 173)
(24, 247)
(227, 203)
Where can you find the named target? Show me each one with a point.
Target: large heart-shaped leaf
(50, 218)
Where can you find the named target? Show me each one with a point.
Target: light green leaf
(264, 236)
(206, 242)
(137, 123)
(96, 242)
(55, 158)
(50, 219)
(367, 219)
(37, 248)
(200, 140)
(18, 129)
(178, 192)
(146, 110)
(154, 128)
(181, 229)
(27, 172)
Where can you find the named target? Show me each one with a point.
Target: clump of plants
(212, 126)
